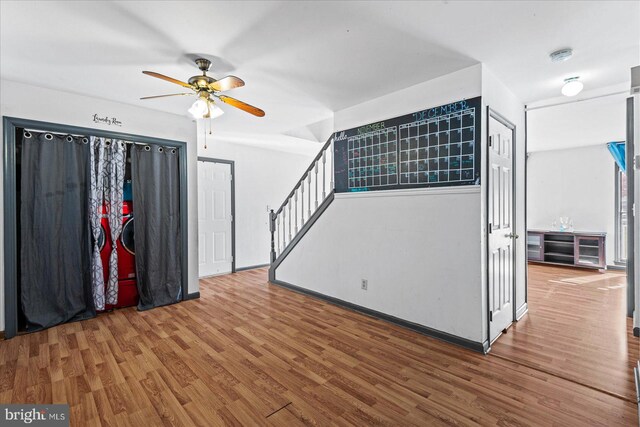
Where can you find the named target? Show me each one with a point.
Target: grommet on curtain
(173, 151)
(48, 136)
(107, 143)
(69, 138)
(27, 134)
(85, 140)
(147, 148)
(160, 149)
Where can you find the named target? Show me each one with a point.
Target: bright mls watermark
(34, 415)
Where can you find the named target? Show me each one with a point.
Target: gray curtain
(55, 248)
(96, 198)
(156, 206)
(114, 177)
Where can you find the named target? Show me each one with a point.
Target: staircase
(306, 202)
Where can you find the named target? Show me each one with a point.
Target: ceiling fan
(207, 88)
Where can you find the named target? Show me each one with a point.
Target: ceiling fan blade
(241, 105)
(226, 83)
(162, 96)
(169, 79)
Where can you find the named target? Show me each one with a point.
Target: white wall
(420, 250)
(576, 182)
(465, 83)
(500, 99)
(578, 124)
(263, 177)
(30, 102)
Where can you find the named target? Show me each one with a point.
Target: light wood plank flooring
(249, 353)
(576, 328)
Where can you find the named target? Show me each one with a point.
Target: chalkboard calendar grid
(438, 150)
(430, 148)
(373, 158)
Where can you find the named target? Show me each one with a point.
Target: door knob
(511, 236)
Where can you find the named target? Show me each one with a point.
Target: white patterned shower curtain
(107, 160)
(114, 167)
(96, 194)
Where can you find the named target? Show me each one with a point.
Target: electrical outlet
(364, 284)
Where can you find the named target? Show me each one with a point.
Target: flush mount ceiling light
(572, 86)
(561, 55)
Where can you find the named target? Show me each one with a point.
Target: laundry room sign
(106, 120)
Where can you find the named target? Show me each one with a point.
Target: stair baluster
(309, 188)
(272, 229)
(302, 203)
(324, 179)
(278, 247)
(290, 234)
(315, 168)
(284, 229)
(295, 209)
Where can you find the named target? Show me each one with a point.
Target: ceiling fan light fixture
(214, 110)
(205, 109)
(199, 108)
(572, 86)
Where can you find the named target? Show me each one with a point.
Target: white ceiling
(303, 60)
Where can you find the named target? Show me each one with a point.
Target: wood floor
(250, 354)
(576, 328)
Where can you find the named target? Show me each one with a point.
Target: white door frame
(231, 163)
(500, 118)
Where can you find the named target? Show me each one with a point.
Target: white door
(501, 233)
(214, 218)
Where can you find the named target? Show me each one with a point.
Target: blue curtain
(617, 151)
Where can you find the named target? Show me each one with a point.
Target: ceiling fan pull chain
(204, 133)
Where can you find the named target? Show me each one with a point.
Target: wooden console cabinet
(567, 248)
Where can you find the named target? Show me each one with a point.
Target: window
(621, 217)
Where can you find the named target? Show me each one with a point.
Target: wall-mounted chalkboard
(436, 147)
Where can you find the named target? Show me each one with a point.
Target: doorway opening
(216, 217)
(577, 326)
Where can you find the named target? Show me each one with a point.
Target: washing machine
(127, 286)
(104, 242)
(126, 248)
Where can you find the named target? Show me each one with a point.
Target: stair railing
(305, 198)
